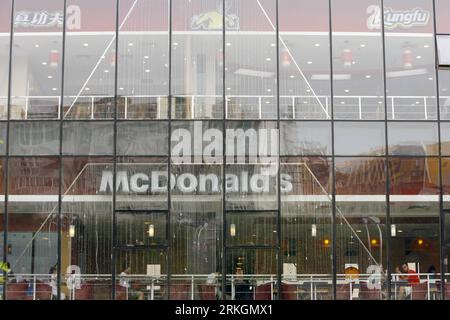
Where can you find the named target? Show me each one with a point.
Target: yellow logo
(212, 20)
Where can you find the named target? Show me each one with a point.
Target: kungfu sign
(393, 19)
(251, 156)
(46, 19)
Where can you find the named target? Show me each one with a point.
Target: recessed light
(269, 90)
(175, 43)
(147, 70)
(228, 89)
(368, 76)
(54, 89)
(358, 231)
(308, 90)
(85, 44)
(268, 59)
(120, 88)
(228, 44)
(309, 62)
(146, 57)
(419, 57)
(342, 102)
(362, 45)
(87, 89)
(400, 231)
(292, 76)
(430, 78)
(36, 45)
(130, 44)
(317, 45)
(426, 46)
(267, 102)
(347, 91)
(106, 71)
(44, 63)
(380, 102)
(50, 77)
(272, 44)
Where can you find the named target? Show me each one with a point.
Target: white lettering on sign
(39, 19)
(156, 182)
(416, 17)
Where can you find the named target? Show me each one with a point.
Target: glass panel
(251, 228)
(442, 7)
(196, 216)
(87, 138)
(143, 59)
(32, 227)
(142, 138)
(361, 228)
(36, 68)
(443, 43)
(251, 66)
(408, 138)
(352, 138)
(141, 228)
(410, 60)
(34, 138)
(86, 233)
(303, 59)
(358, 60)
(141, 183)
(251, 275)
(90, 60)
(142, 275)
(306, 212)
(444, 93)
(4, 58)
(305, 138)
(197, 60)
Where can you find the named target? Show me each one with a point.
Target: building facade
(259, 149)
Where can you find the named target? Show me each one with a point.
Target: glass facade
(226, 149)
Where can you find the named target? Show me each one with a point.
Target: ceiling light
(362, 45)
(268, 59)
(292, 76)
(87, 89)
(309, 62)
(272, 44)
(419, 57)
(308, 90)
(72, 231)
(393, 230)
(175, 43)
(36, 45)
(228, 89)
(267, 102)
(151, 231)
(50, 77)
(232, 230)
(146, 57)
(44, 63)
(430, 78)
(147, 70)
(269, 90)
(317, 45)
(120, 88)
(106, 71)
(368, 76)
(85, 44)
(54, 89)
(426, 46)
(342, 102)
(347, 91)
(130, 44)
(313, 230)
(228, 44)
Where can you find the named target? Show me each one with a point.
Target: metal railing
(238, 287)
(96, 107)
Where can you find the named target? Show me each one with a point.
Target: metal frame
(224, 120)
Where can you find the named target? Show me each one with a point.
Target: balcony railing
(236, 107)
(238, 287)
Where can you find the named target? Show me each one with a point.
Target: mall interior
(307, 145)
